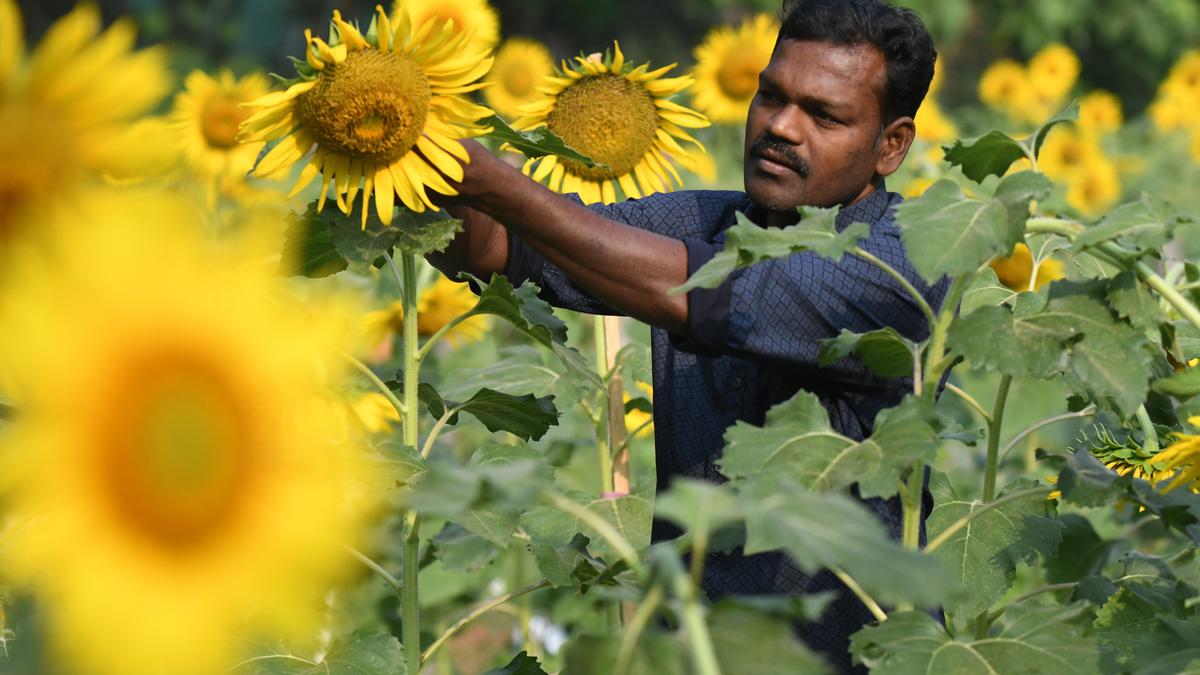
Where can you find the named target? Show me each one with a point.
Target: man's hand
(626, 268)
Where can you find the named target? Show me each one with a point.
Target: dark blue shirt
(751, 343)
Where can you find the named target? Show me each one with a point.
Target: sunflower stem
(904, 283)
(410, 417)
(993, 447)
(635, 628)
(602, 449)
(475, 613)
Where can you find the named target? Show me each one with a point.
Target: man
(832, 118)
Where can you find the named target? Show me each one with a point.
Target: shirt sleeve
(678, 215)
(782, 309)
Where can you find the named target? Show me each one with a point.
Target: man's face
(813, 125)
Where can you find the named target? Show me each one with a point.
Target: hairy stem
(1086, 412)
(704, 657)
(476, 612)
(603, 453)
(995, 422)
(969, 400)
(377, 569)
(876, 610)
(936, 362)
(635, 628)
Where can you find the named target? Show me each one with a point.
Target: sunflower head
(1100, 113)
(520, 67)
(1016, 270)
(475, 17)
(727, 66)
(378, 112)
(1053, 71)
(621, 117)
(177, 444)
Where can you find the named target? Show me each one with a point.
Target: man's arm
(625, 267)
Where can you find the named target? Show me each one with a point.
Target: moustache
(781, 150)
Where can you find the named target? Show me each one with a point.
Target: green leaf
(822, 530)
(1034, 641)
(521, 307)
(527, 417)
(535, 142)
(692, 503)
(365, 652)
(947, 233)
(798, 441)
(308, 248)
(1131, 299)
(522, 664)
(1081, 554)
(1068, 114)
(988, 155)
(984, 556)
(750, 643)
(402, 463)
(1145, 224)
(1136, 623)
(1017, 191)
(423, 233)
(655, 654)
(1181, 385)
(985, 291)
(1086, 482)
(885, 352)
(513, 373)
(569, 565)
(747, 243)
(461, 550)
(629, 514)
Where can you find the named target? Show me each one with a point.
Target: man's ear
(894, 143)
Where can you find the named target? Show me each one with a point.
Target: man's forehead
(829, 68)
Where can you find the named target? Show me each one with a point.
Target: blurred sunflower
(622, 118)
(1053, 72)
(437, 306)
(207, 114)
(1177, 105)
(376, 412)
(1095, 189)
(1068, 153)
(1016, 270)
(166, 430)
(932, 124)
(1099, 113)
(520, 66)
(1001, 82)
(59, 130)
(477, 18)
(380, 113)
(727, 66)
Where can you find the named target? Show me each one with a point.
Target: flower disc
(607, 118)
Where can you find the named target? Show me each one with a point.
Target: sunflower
(1099, 113)
(520, 67)
(639, 422)
(727, 66)
(1180, 461)
(1095, 189)
(66, 109)
(167, 431)
(1016, 270)
(1001, 82)
(622, 118)
(1068, 153)
(207, 115)
(378, 114)
(932, 124)
(475, 17)
(437, 306)
(1053, 71)
(376, 412)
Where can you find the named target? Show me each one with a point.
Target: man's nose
(787, 124)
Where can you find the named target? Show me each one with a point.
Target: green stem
(1150, 445)
(441, 332)
(1086, 412)
(478, 611)
(959, 524)
(1181, 304)
(377, 569)
(603, 528)
(379, 384)
(922, 303)
(993, 447)
(635, 628)
(1050, 588)
(969, 400)
(602, 450)
(935, 361)
(699, 546)
(876, 610)
(704, 658)
(437, 430)
(910, 500)
(410, 417)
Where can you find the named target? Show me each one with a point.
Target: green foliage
(993, 153)
(535, 142)
(948, 233)
(1033, 640)
(749, 642)
(364, 652)
(628, 515)
(522, 664)
(656, 653)
(984, 556)
(885, 352)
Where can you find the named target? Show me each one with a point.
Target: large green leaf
(535, 142)
(798, 441)
(1181, 385)
(747, 243)
(363, 653)
(983, 556)
(1146, 619)
(988, 155)
(985, 291)
(527, 417)
(1132, 300)
(1083, 480)
(656, 653)
(1017, 192)
(824, 530)
(1081, 554)
(308, 248)
(692, 503)
(1034, 641)
(885, 352)
(748, 642)
(1145, 224)
(629, 515)
(947, 233)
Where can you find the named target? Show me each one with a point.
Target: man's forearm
(480, 249)
(627, 268)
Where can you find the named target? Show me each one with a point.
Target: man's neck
(791, 216)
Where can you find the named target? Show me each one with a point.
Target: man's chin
(773, 197)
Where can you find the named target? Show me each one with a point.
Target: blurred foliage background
(1126, 47)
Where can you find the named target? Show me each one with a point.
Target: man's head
(835, 106)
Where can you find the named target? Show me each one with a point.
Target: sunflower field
(246, 427)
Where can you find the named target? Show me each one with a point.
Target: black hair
(898, 33)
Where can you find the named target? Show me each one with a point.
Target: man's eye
(826, 119)
(767, 95)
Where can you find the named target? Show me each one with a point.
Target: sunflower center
(219, 121)
(607, 118)
(370, 107)
(738, 75)
(179, 452)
